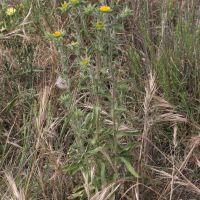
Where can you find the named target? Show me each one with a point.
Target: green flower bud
(126, 12)
(198, 27)
(78, 113)
(170, 6)
(170, 13)
(137, 57)
(123, 88)
(197, 34)
(65, 99)
(48, 36)
(63, 33)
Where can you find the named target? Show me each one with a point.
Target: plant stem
(113, 108)
(97, 97)
(113, 97)
(77, 28)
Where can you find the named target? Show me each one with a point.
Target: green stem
(97, 90)
(97, 97)
(113, 113)
(113, 98)
(77, 28)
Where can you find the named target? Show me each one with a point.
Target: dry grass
(32, 119)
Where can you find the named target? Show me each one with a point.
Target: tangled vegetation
(99, 99)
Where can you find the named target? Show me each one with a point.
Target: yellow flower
(105, 8)
(118, 1)
(64, 6)
(85, 61)
(75, 0)
(10, 11)
(21, 5)
(56, 34)
(100, 24)
(74, 43)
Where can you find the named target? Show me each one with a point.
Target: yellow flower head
(75, 0)
(74, 43)
(105, 8)
(85, 61)
(118, 1)
(100, 24)
(10, 11)
(56, 34)
(21, 5)
(64, 6)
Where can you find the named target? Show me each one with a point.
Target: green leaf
(129, 167)
(72, 80)
(107, 132)
(99, 84)
(107, 79)
(109, 146)
(76, 195)
(21, 72)
(119, 135)
(104, 70)
(119, 147)
(86, 88)
(105, 37)
(108, 95)
(115, 62)
(119, 42)
(128, 148)
(120, 108)
(124, 81)
(115, 26)
(95, 115)
(106, 53)
(60, 74)
(88, 145)
(82, 49)
(115, 53)
(82, 80)
(96, 150)
(87, 120)
(73, 171)
(89, 50)
(12, 104)
(102, 175)
(38, 70)
(78, 187)
(74, 165)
